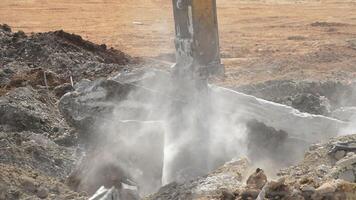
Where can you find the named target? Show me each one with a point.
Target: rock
(339, 154)
(307, 191)
(97, 100)
(257, 180)
(3, 191)
(327, 188)
(227, 178)
(311, 103)
(28, 184)
(346, 189)
(296, 195)
(227, 195)
(250, 193)
(61, 90)
(348, 175)
(13, 194)
(346, 162)
(67, 140)
(42, 192)
(307, 127)
(277, 189)
(5, 76)
(267, 144)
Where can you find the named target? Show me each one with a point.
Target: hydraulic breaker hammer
(197, 39)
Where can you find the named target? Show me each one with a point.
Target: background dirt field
(260, 40)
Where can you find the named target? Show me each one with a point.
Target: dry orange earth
(260, 40)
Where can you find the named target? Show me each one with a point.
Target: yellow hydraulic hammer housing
(197, 38)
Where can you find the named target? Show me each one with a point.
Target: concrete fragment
(347, 175)
(313, 128)
(339, 154)
(327, 188)
(250, 193)
(277, 189)
(346, 162)
(42, 192)
(3, 191)
(28, 184)
(257, 180)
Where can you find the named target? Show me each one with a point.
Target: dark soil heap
(63, 53)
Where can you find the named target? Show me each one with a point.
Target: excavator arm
(197, 58)
(197, 39)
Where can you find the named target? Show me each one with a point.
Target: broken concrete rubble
(130, 98)
(298, 182)
(225, 179)
(257, 179)
(309, 127)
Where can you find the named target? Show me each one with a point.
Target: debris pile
(325, 173)
(38, 149)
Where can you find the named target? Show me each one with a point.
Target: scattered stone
(42, 192)
(307, 191)
(339, 154)
(257, 180)
(227, 195)
(348, 175)
(29, 184)
(327, 188)
(250, 193)
(310, 103)
(346, 162)
(3, 191)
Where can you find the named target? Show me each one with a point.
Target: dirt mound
(63, 53)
